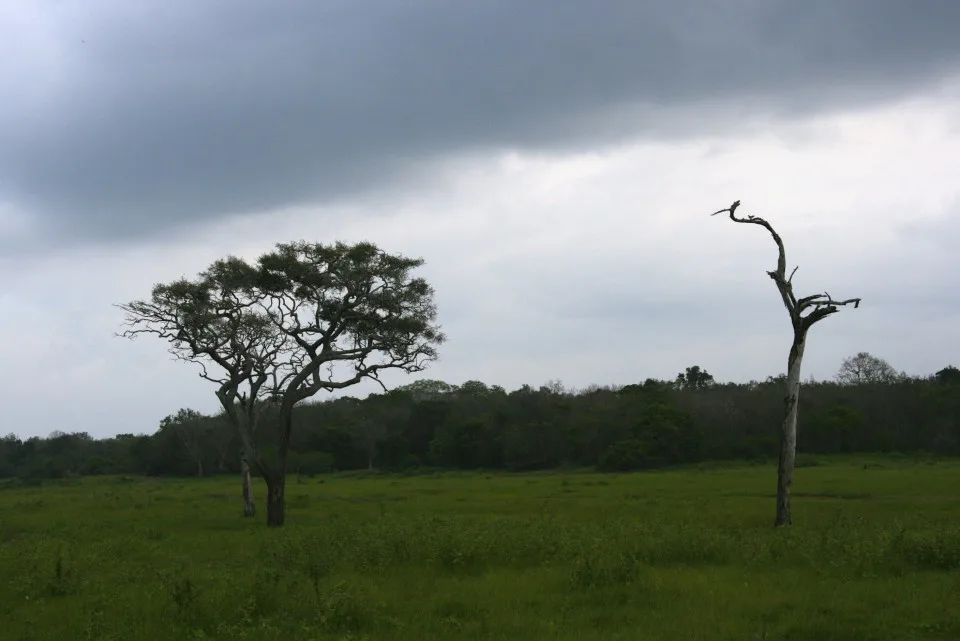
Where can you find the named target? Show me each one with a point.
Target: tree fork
(818, 307)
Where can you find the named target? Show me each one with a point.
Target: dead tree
(804, 313)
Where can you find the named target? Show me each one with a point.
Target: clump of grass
(935, 549)
(264, 593)
(342, 608)
(30, 504)
(458, 615)
(688, 545)
(64, 579)
(154, 534)
(184, 595)
(459, 551)
(597, 569)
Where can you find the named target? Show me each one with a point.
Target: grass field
(689, 554)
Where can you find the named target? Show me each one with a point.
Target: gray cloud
(561, 267)
(128, 120)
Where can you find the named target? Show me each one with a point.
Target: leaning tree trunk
(249, 507)
(788, 431)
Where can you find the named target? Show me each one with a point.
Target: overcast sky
(554, 161)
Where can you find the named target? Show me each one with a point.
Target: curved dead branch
(819, 305)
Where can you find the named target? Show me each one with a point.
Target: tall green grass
(685, 554)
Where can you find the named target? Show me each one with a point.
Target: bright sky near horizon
(554, 162)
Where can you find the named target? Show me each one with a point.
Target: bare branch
(213, 323)
(731, 209)
(822, 304)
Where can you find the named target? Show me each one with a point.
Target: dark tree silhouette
(210, 321)
(949, 375)
(694, 378)
(307, 317)
(345, 313)
(865, 368)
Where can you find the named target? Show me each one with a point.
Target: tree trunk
(276, 479)
(249, 508)
(275, 500)
(788, 431)
(200, 467)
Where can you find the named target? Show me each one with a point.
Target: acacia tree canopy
(211, 321)
(306, 317)
(350, 305)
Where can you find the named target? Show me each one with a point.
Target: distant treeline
(476, 426)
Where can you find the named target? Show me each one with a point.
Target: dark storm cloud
(127, 119)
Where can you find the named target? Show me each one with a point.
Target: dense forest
(432, 424)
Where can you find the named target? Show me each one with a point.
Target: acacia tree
(804, 313)
(209, 321)
(306, 317)
(348, 312)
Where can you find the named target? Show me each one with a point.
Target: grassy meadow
(685, 554)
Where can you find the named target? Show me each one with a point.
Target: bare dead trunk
(788, 432)
(249, 507)
(200, 467)
(818, 307)
(276, 505)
